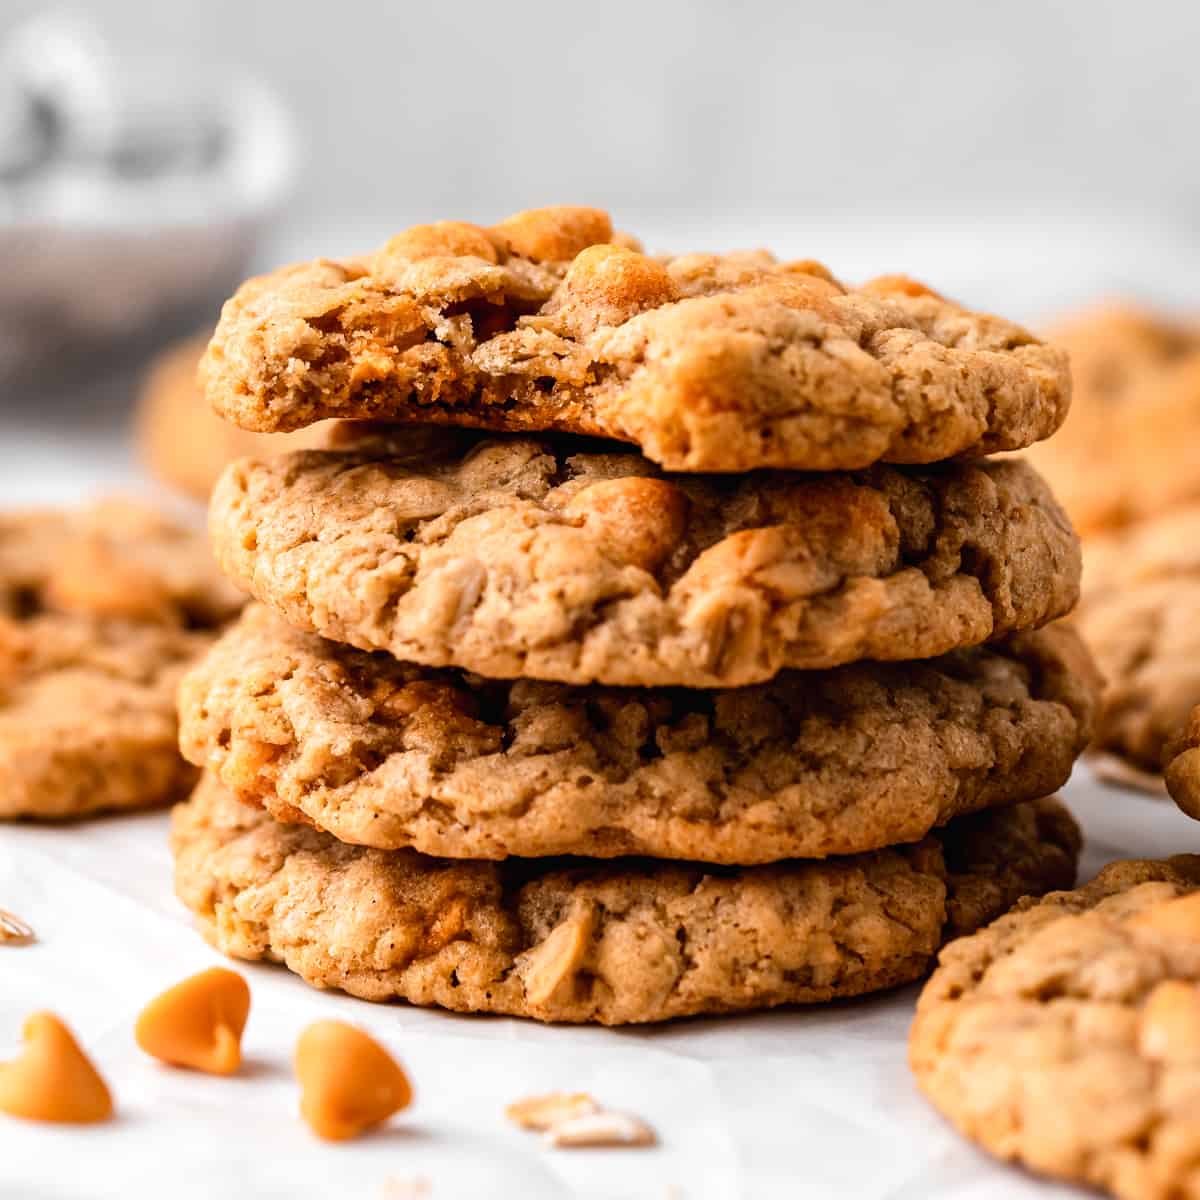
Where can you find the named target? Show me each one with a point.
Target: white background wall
(1027, 153)
(801, 108)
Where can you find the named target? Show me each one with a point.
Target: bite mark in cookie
(550, 321)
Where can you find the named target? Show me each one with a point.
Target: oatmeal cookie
(547, 559)
(626, 940)
(101, 610)
(549, 321)
(182, 441)
(387, 754)
(1129, 449)
(1066, 1035)
(1138, 614)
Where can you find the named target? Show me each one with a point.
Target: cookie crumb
(546, 1111)
(601, 1129)
(14, 931)
(415, 1188)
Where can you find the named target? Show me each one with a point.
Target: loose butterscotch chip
(14, 931)
(198, 1023)
(53, 1079)
(348, 1082)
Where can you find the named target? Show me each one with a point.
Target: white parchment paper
(810, 1102)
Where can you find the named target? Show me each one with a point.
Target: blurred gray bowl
(133, 189)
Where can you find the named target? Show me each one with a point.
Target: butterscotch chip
(626, 941)
(1126, 452)
(1066, 1035)
(198, 1023)
(549, 321)
(1141, 594)
(179, 437)
(559, 560)
(388, 754)
(348, 1082)
(53, 1079)
(101, 609)
(14, 931)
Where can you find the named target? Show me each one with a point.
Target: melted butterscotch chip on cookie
(627, 940)
(551, 321)
(1066, 1035)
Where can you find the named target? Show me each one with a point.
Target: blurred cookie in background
(1126, 467)
(182, 441)
(102, 608)
(1128, 449)
(1139, 614)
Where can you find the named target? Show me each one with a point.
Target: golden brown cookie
(1130, 447)
(1139, 615)
(182, 441)
(626, 940)
(1066, 1036)
(549, 321)
(548, 559)
(386, 754)
(101, 610)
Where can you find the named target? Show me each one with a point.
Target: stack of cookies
(604, 669)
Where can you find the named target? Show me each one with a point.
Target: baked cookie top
(624, 941)
(1066, 1036)
(1128, 450)
(179, 437)
(547, 559)
(549, 321)
(388, 754)
(101, 610)
(1138, 613)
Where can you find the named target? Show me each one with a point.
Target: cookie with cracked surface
(549, 321)
(1066, 1035)
(182, 441)
(1128, 449)
(574, 940)
(571, 561)
(101, 611)
(1141, 595)
(387, 754)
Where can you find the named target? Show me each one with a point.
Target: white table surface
(803, 1103)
